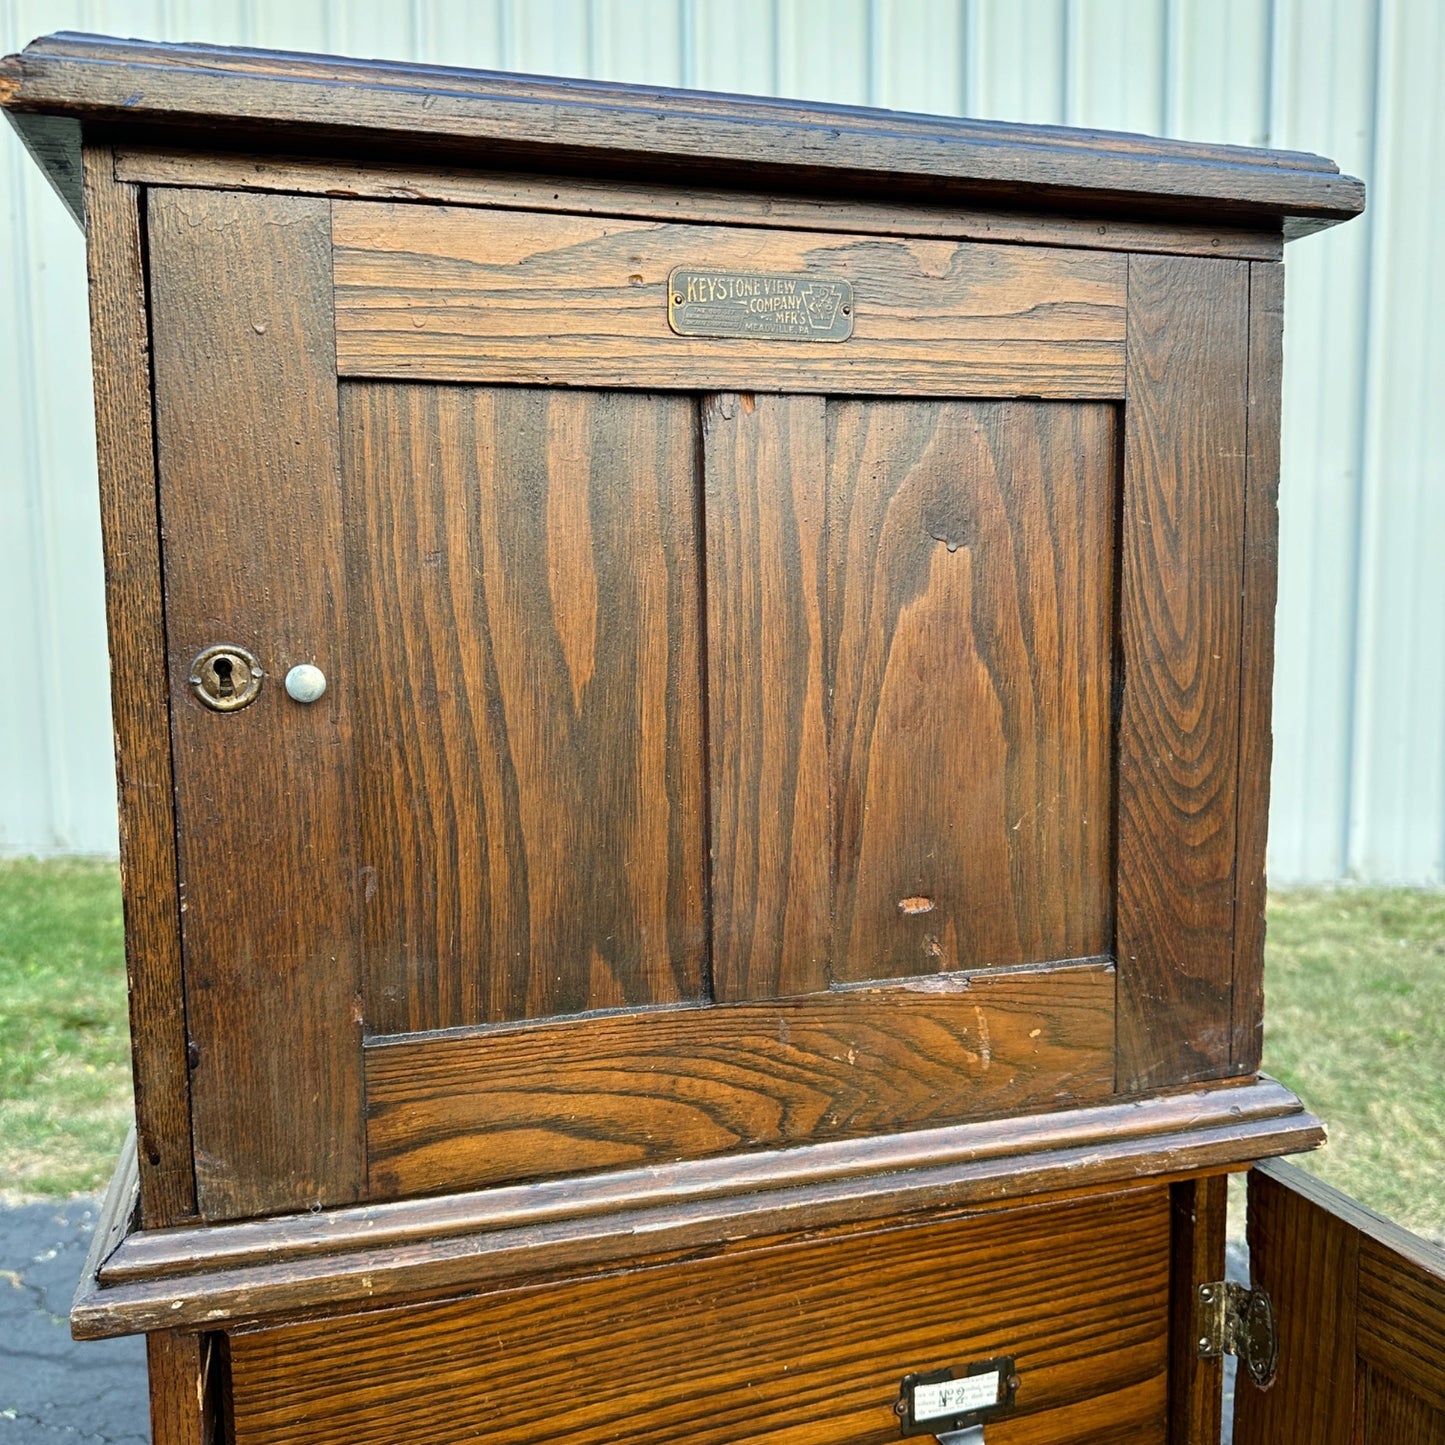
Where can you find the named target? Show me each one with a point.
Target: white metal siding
(1359, 783)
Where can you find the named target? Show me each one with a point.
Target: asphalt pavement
(54, 1390)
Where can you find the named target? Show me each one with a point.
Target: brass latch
(1230, 1319)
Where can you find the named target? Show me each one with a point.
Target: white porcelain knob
(305, 683)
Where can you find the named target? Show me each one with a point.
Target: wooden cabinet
(691, 680)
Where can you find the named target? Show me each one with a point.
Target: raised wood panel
(909, 628)
(251, 513)
(801, 1345)
(135, 618)
(523, 569)
(452, 294)
(969, 601)
(1178, 738)
(635, 1089)
(1394, 1416)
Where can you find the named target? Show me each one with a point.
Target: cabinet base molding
(215, 1276)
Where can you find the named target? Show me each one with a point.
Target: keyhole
(225, 685)
(225, 677)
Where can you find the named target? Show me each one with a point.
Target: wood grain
(1402, 1316)
(1178, 735)
(1256, 661)
(497, 1106)
(801, 1345)
(251, 511)
(534, 123)
(765, 462)
(1393, 1416)
(360, 1256)
(181, 1369)
(130, 533)
(510, 191)
(969, 600)
(1306, 1259)
(1198, 1209)
(1361, 1309)
(443, 293)
(523, 569)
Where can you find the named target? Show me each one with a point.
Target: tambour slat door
(730, 741)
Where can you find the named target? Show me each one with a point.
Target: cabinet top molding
(208, 97)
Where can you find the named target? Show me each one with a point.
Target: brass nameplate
(771, 305)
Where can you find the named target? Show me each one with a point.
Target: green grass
(1355, 1024)
(64, 1063)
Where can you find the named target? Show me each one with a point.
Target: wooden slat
(765, 472)
(251, 509)
(1198, 1210)
(449, 294)
(510, 191)
(523, 575)
(1306, 1259)
(450, 1112)
(798, 1346)
(1256, 669)
(1402, 1317)
(363, 1255)
(969, 617)
(1178, 737)
(130, 532)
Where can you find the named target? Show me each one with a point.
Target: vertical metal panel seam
(42, 623)
(1354, 823)
(1169, 70)
(968, 88)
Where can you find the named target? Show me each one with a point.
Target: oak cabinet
(691, 687)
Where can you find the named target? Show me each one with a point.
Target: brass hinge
(1230, 1319)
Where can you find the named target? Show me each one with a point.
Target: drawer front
(792, 1345)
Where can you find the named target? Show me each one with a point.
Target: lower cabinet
(1063, 1307)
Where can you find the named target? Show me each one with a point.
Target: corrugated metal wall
(1359, 785)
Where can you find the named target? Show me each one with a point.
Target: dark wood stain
(1361, 1310)
(445, 293)
(765, 468)
(251, 514)
(571, 195)
(370, 108)
(801, 1345)
(636, 1088)
(130, 532)
(1256, 670)
(1198, 1209)
(968, 605)
(523, 569)
(1178, 736)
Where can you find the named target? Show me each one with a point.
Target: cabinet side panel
(120, 343)
(1178, 740)
(251, 514)
(1256, 663)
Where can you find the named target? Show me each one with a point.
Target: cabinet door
(729, 742)
(1360, 1304)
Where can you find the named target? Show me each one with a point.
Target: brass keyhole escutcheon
(226, 677)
